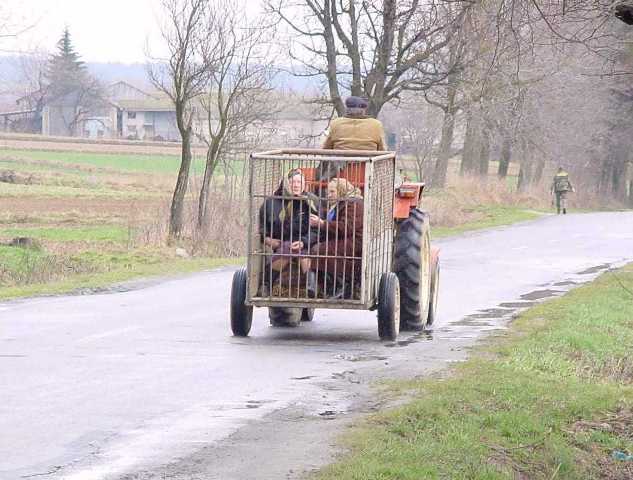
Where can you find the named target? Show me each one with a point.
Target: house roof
(147, 105)
(16, 112)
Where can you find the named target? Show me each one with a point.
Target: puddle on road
(467, 322)
(516, 305)
(491, 313)
(425, 336)
(350, 357)
(596, 269)
(540, 294)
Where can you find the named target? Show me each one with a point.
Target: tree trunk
(539, 166)
(484, 154)
(446, 142)
(506, 154)
(419, 162)
(531, 172)
(203, 201)
(471, 151)
(176, 218)
(525, 176)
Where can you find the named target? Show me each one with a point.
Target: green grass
(493, 216)
(134, 163)
(551, 399)
(122, 162)
(91, 269)
(71, 234)
(17, 259)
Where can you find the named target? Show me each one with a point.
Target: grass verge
(552, 399)
(489, 216)
(90, 270)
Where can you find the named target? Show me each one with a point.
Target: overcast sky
(101, 30)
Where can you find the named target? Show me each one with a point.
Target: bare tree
(183, 76)
(416, 125)
(237, 91)
(373, 48)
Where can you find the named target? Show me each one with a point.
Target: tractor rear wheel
(285, 316)
(412, 265)
(388, 307)
(241, 314)
(435, 290)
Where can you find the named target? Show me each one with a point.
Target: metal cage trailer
(335, 229)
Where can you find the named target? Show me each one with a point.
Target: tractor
(393, 268)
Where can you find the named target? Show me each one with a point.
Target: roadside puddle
(517, 305)
(596, 269)
(350, 357)
(540, 294)
(425, 336)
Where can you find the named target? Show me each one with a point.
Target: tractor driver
(354, 131)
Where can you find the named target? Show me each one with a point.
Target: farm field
(90, 219)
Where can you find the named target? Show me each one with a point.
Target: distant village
(60, 97)
(124, 111)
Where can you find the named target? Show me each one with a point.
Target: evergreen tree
(66, 72)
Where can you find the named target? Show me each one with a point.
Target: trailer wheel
(388, 307)
(241, 314)
(412, 265)
(307, 314)
(435, 290)
(285, 316)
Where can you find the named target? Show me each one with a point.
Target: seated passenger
(339, 251)
(284, 221)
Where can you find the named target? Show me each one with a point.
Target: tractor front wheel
(388, 307)
(435, 290)
(412, 265)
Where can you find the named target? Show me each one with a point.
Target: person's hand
(273, 243)
(315, 220)
(296, 246)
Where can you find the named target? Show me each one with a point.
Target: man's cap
(356, 102)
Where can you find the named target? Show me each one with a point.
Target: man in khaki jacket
(354, 131)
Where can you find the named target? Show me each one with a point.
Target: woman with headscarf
(284, 221)
(339, 252)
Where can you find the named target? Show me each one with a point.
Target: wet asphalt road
(136, 384)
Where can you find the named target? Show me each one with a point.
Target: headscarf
(284, 189)
(344, 190)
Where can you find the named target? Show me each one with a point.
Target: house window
(131, 115)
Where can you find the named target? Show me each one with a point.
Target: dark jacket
(347, 223)
(287, 219)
